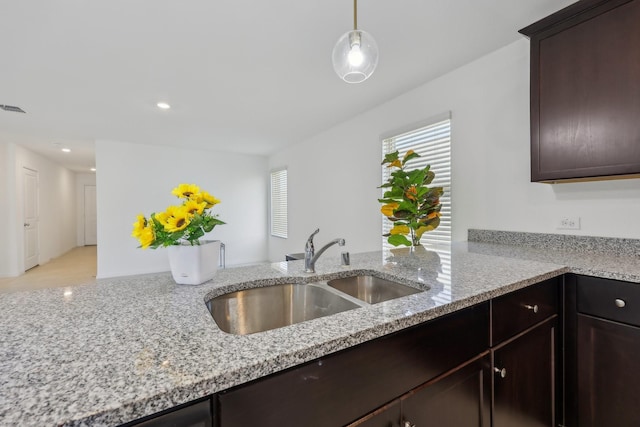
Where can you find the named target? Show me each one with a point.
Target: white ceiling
(241, 76)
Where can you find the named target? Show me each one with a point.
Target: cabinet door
(387, 416)
(608, 373)
(192, 415)
(585, 91)
(459, 398)
(525, 379)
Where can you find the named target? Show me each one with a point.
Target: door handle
(26, 224)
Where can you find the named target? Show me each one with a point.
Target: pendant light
(355, 55)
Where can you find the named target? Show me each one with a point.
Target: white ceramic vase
(193, 265)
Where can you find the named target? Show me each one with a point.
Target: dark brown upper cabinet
(585, 92)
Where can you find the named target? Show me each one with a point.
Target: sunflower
(185, 191)
(193, 207)
(146, 237)
(177, 219)
(161, 217)
(138, 226)
(208, 198)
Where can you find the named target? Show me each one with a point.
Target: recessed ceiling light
(163, 105)
(66, 150)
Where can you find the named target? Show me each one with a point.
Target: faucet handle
(345, 259)
(310, 239)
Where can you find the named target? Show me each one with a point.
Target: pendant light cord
(355, 14)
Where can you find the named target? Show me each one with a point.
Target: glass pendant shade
(355, 56)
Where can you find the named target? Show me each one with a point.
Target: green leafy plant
(408, 201)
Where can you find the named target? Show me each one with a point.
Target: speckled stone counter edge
(566, 242)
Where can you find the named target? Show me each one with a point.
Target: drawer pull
(502, 372)
(534, 308)
(620, 303)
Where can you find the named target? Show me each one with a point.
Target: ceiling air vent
(12, 108)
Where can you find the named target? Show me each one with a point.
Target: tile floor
(76, 267)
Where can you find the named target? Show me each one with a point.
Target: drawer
(609, 299)
(514, 312)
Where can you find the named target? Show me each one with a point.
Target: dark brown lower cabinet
(340, 388)
(608, 373)
(602, 347)
(387, 416)
(524, 380)
(461, 397)
(189, 415)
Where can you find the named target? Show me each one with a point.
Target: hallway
(78, 266)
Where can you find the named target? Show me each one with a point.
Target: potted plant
(180, 228)
(408, 201)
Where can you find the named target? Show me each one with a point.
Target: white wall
(8, 242)
(135, 178)
(333, 176)
(57, 206)
(332, 180)
(82, 179)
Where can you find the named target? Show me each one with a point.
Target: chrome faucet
(310, 257)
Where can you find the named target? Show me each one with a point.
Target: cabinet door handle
(534, 307)
(620, 303)
(502, 372)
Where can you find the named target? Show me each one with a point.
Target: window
(279, 203)
(433, 143)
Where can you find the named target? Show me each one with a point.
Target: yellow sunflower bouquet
(177, 225)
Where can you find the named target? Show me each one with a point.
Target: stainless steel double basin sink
(261, 309)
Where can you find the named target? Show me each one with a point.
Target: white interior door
(31, 218)
(90, 216)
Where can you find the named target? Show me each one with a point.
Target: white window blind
(279, 203)
(433, 143)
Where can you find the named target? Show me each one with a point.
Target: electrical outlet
(569, 223)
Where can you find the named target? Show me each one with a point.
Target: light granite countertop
(120, 349)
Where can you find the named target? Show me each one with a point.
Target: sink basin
(371, 289)
(261, 309)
